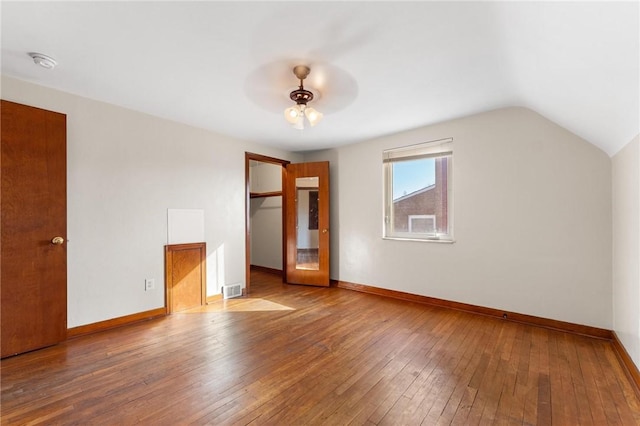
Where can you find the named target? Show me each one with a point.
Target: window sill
(422, 240)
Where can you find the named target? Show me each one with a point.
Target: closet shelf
(265, 194)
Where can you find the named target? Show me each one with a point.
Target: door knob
(57, 240)
(324, 231)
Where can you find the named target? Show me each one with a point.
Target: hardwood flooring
(298, 355)
(308, 259)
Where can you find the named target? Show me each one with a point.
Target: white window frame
(433, 149)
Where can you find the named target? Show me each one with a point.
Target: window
(417, 192)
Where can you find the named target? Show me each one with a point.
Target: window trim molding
(432, 149)
(421, 240)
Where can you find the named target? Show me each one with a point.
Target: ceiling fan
(325, 86)
(296, 114)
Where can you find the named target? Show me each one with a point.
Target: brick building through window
(424, 210)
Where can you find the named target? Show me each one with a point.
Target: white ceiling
(379, 67)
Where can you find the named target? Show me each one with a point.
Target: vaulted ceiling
(376, 67)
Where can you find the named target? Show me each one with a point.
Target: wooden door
(307, 223)
(185, 276)
(33, 291)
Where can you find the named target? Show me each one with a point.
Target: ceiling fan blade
(337, 87)
(269, 85)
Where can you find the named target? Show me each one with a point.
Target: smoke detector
(43, 60)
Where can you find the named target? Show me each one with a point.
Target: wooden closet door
(33, 291)
(307, 223)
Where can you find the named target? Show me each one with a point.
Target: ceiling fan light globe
(292, 114)
(313, 116)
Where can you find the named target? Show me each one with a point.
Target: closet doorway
(264, 217)
(287, 219)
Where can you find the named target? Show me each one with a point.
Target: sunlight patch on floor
(248, 304)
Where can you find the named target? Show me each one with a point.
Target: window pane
(419, 191)
(411, 176)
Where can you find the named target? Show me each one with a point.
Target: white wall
(266, 232)
(125, 169)
(532, 218)
(265, 177)
(532, 213)
(266, 216)
(626, 247)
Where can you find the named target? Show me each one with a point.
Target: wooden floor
(308, 259)
(294, 355)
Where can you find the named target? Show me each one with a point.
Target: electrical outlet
(149, 284)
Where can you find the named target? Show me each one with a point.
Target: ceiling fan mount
(301, 96)
(301, 71)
